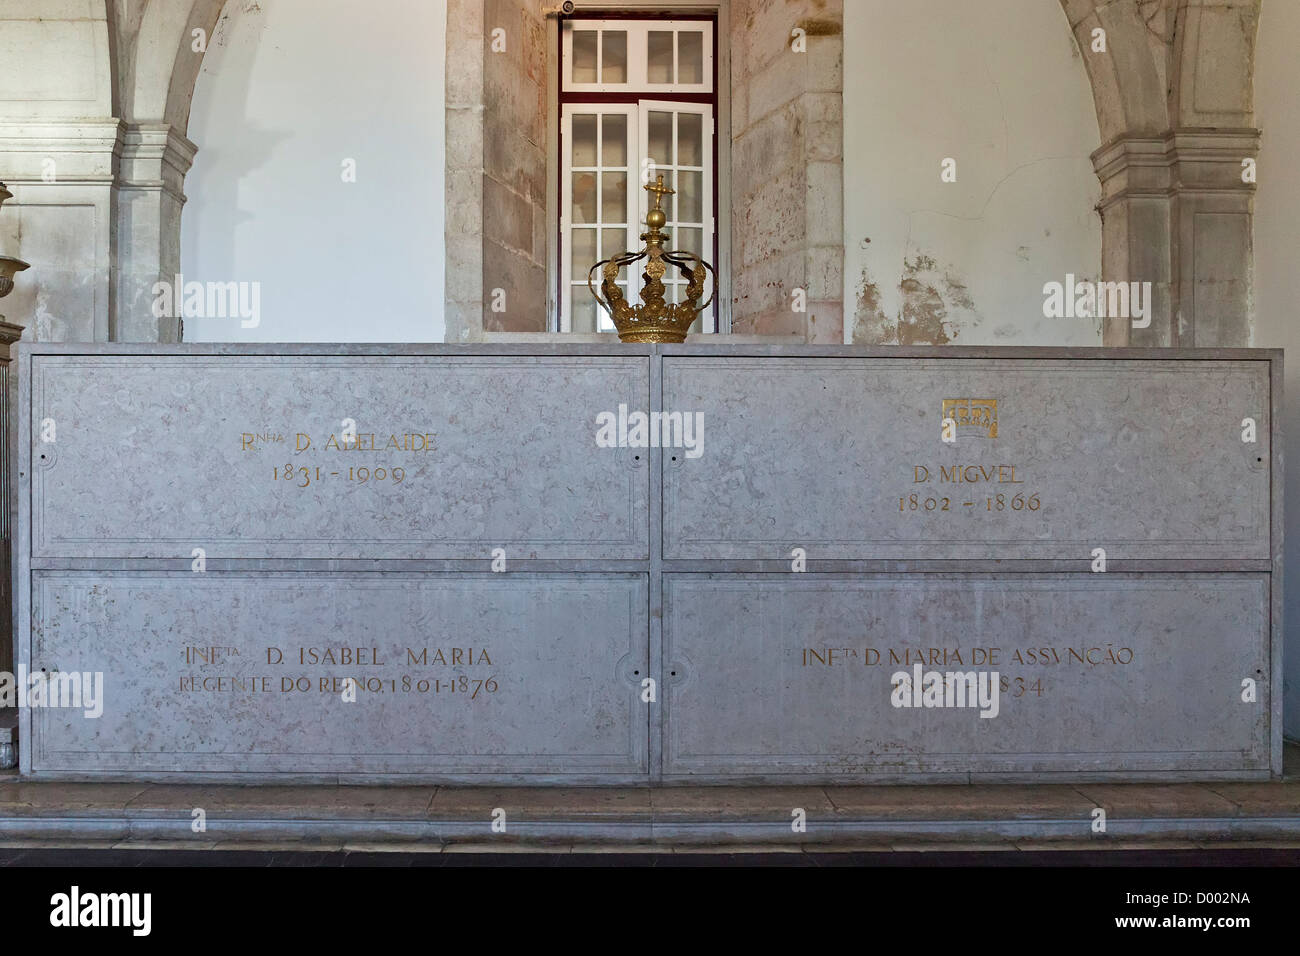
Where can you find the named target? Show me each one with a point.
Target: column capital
(9, 334)
(1177, 161)
(155, 156)
(1210, 160)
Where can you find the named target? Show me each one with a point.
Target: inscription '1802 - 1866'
(962, 497)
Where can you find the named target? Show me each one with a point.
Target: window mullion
(637, 67)
(635, 159)
(566, 235)
(676, 77)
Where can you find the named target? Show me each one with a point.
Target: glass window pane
(613, 200)
(582, 314)
(671, 272)
(614, 144)
(690, 139)
(670, 202)
(603, 322)
(613, 64)
(613, 241)
(584, 198)
(584, 56)
(690, 197)
(690, 240)
(659, 149)
(583, 148)
(584, 252)
(690, 56)
(659, 56)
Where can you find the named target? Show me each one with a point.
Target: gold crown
(654, 320)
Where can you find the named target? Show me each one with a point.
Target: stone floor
(681, 819)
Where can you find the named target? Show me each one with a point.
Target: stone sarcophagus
(665, 564)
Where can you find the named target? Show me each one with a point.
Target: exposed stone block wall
(514, 166)
(464, 183)
(787, 168)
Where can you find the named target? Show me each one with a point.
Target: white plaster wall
(288, 90)
(1277, 279)
(1000, 87)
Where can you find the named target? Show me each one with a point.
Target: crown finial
(659, 190)
(656, 218)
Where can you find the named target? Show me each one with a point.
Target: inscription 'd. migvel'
(969, 474)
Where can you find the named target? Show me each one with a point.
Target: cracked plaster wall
(1001, 88)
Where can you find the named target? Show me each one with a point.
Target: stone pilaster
(496, 230)
(1176, 212)
(62, 174)
(150, 195)
(1211, 231)
(9, 334)
(514, 167)
(464, 183)
(1135, 237)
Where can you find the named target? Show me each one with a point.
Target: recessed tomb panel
(796, 675)
(1045, 458)
(329, 456)
(489, 676)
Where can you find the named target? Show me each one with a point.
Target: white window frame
(641, 170)
(721, 11)
(638, 32)
(707, 224)
(570, 110)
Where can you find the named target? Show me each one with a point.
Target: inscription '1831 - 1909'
(304, 476)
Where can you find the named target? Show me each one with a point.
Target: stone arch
(156, 68)
(1169, 63)
(119, 15)
(204, 15)
(1128, 81)
(159, 66)
(1173, 95)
